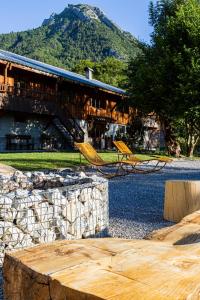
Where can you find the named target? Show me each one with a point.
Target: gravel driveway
(136, 201)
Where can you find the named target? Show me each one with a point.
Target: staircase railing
(70, 124)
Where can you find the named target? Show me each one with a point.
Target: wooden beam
(6, 74)
(3, 62)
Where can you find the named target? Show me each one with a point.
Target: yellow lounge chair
(94, 159)
(122, 167)
(125, 151)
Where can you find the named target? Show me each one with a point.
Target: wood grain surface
(104, 269)
(181, 199)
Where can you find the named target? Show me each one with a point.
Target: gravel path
(136, 201)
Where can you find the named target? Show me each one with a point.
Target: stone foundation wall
(30, 217)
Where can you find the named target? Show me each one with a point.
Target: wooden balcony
(18, 104)
(98, 112)
(39, 102)
(115, 116)
(120, 118)
(27, 100)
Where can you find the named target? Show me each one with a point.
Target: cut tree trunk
(100, 269)
(184, 233)
(181, 198)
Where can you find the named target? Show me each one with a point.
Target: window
(98, 103)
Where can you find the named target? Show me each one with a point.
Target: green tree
(165, 78)
(192, 125)
(110, 70)
(81, 65)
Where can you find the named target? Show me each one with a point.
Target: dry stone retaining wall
(37, 208)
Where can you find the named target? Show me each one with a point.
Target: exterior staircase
(62, 129)
(68, 125)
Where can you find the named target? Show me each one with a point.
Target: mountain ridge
(79, 32)
(85, 13)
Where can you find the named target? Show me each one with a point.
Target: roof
(40, 66)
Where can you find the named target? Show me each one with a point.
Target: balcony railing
(40, 102)
(98, 112)
(3, 87)
(28, 99)
(115, 116)
(32, 93)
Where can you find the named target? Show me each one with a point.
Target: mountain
(79, 32)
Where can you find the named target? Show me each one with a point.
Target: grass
(51, 160)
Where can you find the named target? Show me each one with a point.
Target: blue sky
(131, 15)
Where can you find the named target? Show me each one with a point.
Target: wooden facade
(26, 91)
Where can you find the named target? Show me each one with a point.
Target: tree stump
(184, 233)
(181, 198)
(103, 269)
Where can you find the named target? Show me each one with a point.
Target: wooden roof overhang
(17, 66)
(29, 69)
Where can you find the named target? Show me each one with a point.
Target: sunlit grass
(51, 160)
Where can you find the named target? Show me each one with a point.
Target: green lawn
(50, 160)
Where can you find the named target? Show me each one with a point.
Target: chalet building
(44, 107)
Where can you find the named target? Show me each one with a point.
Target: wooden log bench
(182, 198)
(184, 233)
(97, 269)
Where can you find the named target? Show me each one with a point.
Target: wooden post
(6, 74)
(181, 198)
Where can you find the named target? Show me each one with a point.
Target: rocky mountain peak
(83, 12)
(79, 32)
(49, 21)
